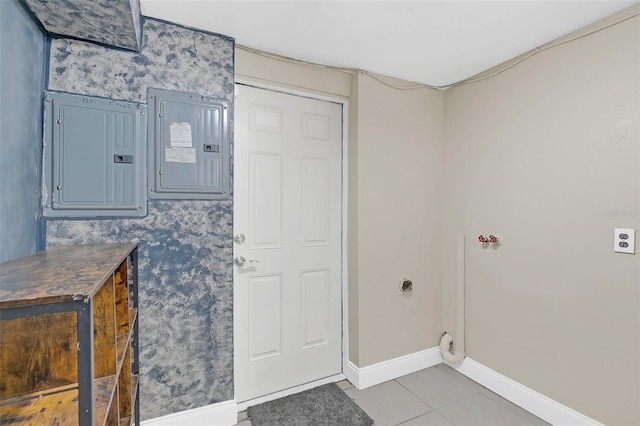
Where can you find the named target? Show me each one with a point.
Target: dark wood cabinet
(69, 337)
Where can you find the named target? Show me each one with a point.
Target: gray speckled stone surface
(186, 270)
(172, 58)
(111, 22)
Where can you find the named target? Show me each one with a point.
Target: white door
(287, 227)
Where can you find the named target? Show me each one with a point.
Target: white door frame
(344, 278)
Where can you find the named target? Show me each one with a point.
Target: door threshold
(296, 389)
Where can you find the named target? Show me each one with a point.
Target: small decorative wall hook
(483, 239)
(493, 239)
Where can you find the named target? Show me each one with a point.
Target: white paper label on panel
(314, 292)
(265, 200)
(265, 316)
(179, 155)
(315, 201)
(265, 118)
(180, 134)
(315, 126)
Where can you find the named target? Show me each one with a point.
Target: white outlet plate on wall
(624, 240)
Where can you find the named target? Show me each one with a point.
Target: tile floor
(434, 396)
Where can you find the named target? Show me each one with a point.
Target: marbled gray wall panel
(186, 299)
(186, 271)
(111, 22)
(172, 58)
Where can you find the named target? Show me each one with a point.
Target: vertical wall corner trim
(221, 414)
(364, 377)
(532, 401)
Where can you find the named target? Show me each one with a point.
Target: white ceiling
(429, 42)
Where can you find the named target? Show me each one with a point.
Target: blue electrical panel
(189, 146)
(94, 162)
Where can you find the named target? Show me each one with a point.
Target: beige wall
(398, 224)
(250, 66)
(547, 156)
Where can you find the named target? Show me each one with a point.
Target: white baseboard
(392, 369)
(532, 401)
(221, 414)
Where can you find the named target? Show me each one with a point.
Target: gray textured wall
(21, 84)
(186, 276)
(111, 22)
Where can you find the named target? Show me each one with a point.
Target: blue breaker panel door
(189, 146)
(94, 157)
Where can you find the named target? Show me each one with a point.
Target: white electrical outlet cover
(624, 240)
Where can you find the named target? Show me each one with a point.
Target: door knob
(240, 261)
